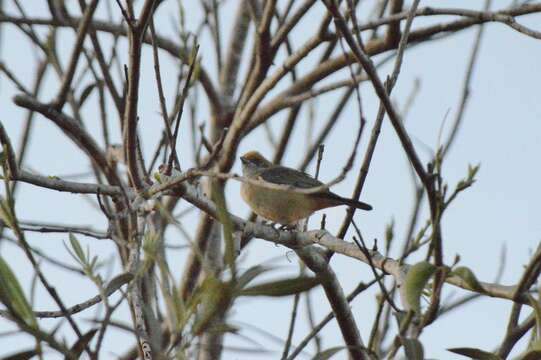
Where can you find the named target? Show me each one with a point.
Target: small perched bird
(285, 206)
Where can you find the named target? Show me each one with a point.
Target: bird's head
(253, 163)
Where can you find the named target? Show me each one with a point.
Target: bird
(285, 206)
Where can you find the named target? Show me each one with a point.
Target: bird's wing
(286, 176)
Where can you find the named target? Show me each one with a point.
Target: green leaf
(389, 234)
(389, 231)
(151, 244)
(216, 296)
(93, 264)
(12, 295)
(535, 345)
(416, 280)
(282, 287)
(462, 185)
(22, 355)
(537, 308)
(327, 354)
(80, 345)
(224, 218)
(5, 213)
(77, 249)
(85, 93)
(416, 242)
(223, 328)
(251, 274)
(466, 183)
(196, 72)
(469, 278)
(413, 348)
(472, 171)
(474, 353)
(119, 281)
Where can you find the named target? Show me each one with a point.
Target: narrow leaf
(283, 287)
(469, 278)
(537, 308)
(80, 345)
(118, 281)
(474, 353)
(327, 354)
(472, 171)
(76, 246)
(251, 274)
(216, 298)
(414, 349)
(5, 213)
(12, 294)
(86, 92)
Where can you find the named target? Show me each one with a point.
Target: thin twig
(181, 107)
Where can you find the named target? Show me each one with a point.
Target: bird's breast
(281, 206)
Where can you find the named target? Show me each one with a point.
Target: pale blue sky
(501, 131)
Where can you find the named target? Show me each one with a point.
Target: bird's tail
(350, 202)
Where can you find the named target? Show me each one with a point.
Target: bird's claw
(287, 227)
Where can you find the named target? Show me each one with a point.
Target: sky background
(501, 130)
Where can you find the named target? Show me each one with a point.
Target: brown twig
(183, 97)
(82, 31)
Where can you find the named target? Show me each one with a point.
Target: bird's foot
(266, 222)
(288, 227)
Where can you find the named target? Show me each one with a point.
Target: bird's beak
(243, 159)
